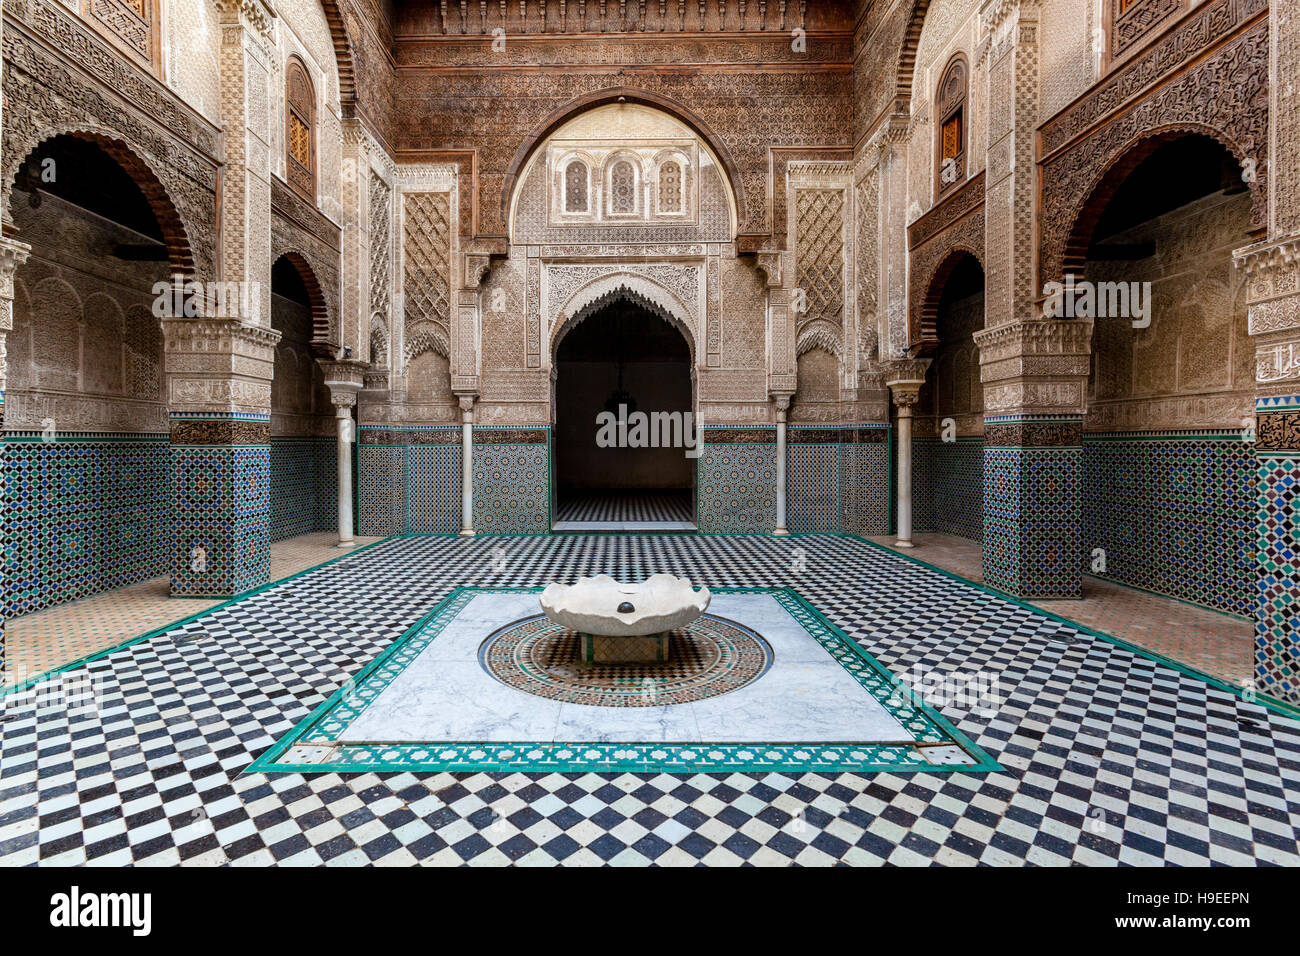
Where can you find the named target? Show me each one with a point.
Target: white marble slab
(445, 695)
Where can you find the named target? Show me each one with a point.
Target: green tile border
(180, 621)
(321, 727)
(1279, 707)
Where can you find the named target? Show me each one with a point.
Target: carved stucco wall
(190, 54)
(1194, 366)
(86, 351)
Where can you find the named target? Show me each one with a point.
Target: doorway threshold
(623, 526)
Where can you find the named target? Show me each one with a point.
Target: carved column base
(1034, 376)
(1032, 505)
(219, 385)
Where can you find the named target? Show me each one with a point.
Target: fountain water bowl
(624, 623)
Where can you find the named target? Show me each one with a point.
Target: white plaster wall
(191, 40)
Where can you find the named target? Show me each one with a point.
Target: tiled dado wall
(409, 480)
(1174, 513)
(948, 486)
(837, 479)
(304, 486)
(84, 513)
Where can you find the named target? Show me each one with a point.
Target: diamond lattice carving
(820, 250)
(381, 234)
(427, 240)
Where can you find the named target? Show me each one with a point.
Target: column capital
(904, 379)
(344, 378)
(1038, 366)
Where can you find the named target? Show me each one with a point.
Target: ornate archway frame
(514, 177)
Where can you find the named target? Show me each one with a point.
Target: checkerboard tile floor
(622, 506)
(1110, 758)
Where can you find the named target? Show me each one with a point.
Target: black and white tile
(1110, 757)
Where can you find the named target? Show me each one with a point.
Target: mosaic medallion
(707, 658)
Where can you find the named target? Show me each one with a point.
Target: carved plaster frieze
(1272, 285)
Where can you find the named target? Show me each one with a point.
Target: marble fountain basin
(624, 623)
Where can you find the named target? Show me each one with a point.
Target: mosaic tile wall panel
(512, 489)
(866, 484)
(433, 493)
(84, 514)
(1031, 520)
(813, 487)
(1173, 514)
(304, 486)
(948, 486)
(1277, 625)
(737, 488)
(381, 480)
(221, 502)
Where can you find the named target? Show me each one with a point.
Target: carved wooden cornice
(968, 198)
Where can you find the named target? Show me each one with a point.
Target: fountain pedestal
(624, 623)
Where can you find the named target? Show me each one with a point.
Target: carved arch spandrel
(638, 289)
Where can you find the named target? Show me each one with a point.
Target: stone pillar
(1035, 376)
(1009, 62)
(466, 466)
(219, 388)
(782, 408)
(344, 379)
(12, 255)
(905, 379)
(247, 55)
(1273, 301)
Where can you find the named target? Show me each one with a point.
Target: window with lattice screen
(950, 119)
(132, 24)
(670, 187)
(300, 130)
(575, 187)
(622, 188)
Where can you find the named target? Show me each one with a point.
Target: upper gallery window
(670, 186)
(950, 119)
(622, 188)
(575, 186)
(300, 129)
(132, 24)
(1134, 22)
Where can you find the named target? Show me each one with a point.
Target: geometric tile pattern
(221, 539)
(813, 487)
(304, 486)
(948, 486)
(512, 489)
(433, 489)
(1108, 757)
(382, 487)
(83, 514)
(1031, 520)
(1277, 623)
(866, 485)
(1174, 513)
(737, 487)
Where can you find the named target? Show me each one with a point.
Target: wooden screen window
(622, 188)
(131, 24)
(575, 187)
(950, 115)
(670, 187)
(300, 130)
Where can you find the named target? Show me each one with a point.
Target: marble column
(1035, 377)
(219, 374)
(12, 255)
(905, 379)
(466, 466)
(782, 410)
(344, 379)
